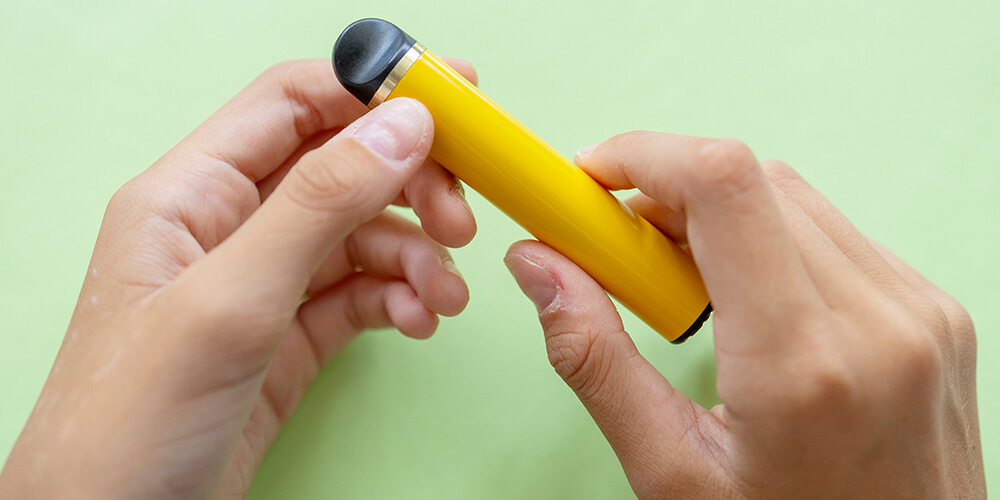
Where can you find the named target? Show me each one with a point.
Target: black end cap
(694, 326)
(365, 54)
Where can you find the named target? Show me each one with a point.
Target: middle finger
(851, 242)
(391, 246)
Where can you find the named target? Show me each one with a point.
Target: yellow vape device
(544, 192)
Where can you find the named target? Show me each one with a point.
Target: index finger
(263, 125)
(737, 235)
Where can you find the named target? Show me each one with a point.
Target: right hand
(843, 372)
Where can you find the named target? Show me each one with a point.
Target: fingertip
(532, 273)
(464, 67)
(401, 200)
(464, 227)
(399, 129)
(454, 290)
(531, 250)
(603, 164)
(469, 227)
(518, 247)
(558, 287)
(438, 199)
(584, 152)
(515, 252)
(337, 186)
(669, 222)
(453, 223)
(408, 313)
(408, 105)
(441, 288)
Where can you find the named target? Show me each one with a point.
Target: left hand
(226, 275)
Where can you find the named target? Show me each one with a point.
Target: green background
(890, 108)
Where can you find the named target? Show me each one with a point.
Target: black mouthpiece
(365, 53)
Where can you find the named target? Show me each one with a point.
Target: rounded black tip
(365, 53)
(702, 318)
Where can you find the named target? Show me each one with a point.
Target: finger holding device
(528, 179)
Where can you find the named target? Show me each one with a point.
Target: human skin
(226, 275)
(843, 373)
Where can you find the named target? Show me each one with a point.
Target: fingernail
(459, 192)
(449, 265)
(586, 150)
(535, 281)
(393, 129)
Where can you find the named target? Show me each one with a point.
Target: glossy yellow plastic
(555, 200)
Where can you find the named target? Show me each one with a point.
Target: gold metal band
(396, 74)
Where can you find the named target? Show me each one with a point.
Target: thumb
(267, 263)
(647, 422)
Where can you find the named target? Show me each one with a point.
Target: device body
(540, 189)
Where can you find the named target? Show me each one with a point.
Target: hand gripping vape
(547, 194)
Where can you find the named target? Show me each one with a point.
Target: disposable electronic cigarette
(547, 194)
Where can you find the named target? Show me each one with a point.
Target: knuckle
(622, 148)
(726, 166)
(122, 198)
(627, 148)
(224, 322)
(578, 358)
(126, 197)
(826, 384)
(307, 117)
(960, 326)
(823, 380)
(280, 70)
(229, 194)
(780, 173)
(634, 139)
(215, 188)
(323, 186)
(213, 310)
(959, 317)
(919, 357)
(964, 334)
(934, 316)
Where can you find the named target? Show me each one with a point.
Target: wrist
(36, 469)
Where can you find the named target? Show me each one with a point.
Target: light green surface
(890, 108)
